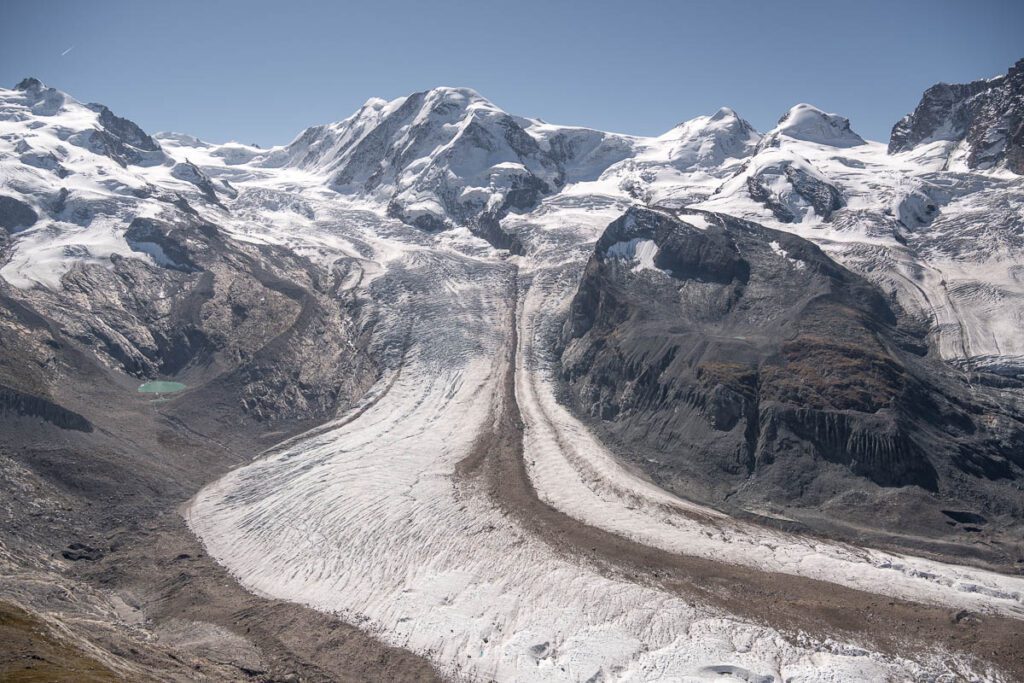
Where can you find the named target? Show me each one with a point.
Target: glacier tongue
(370, 519)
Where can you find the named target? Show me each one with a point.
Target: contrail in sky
(67, 50)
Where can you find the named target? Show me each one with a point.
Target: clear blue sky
(262, 71)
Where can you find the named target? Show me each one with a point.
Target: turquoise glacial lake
(160, 387)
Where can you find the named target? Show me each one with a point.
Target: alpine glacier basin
(370, 518)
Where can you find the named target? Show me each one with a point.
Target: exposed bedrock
(986, 115)
(255, 324)
(742, 364)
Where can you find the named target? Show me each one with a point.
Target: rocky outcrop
(41, 100)
(191, 173)
(127, 132)
(120, 140)
(804, 189)
(987, 115)
(81, 551)
(489, 228)
(16, 215)
(256, 326)
(743, 364)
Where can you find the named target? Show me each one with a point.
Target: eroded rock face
(189, 172)
(987, 114)
(128, 132)
(167, 244)
(742, 363)
(120, 140)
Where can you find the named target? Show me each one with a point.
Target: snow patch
(642, 251)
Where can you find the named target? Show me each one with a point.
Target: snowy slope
(946, 243)
(86, 173)
(447, 156)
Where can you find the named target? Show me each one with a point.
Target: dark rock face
(191, 173)
(29, 83)
(128, 132)
(695, 254)
(759, 193)
(81, 551)
(16, 215)
(166, 243)
(21, 403)
(489, 228)
(822, 196)
(122, 140)
(988, 114)
(825, 198)
(751, 367)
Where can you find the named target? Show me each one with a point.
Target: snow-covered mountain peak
(457, 96)
(47, 120)
(808, 123)
(724, 113)
(708, 141)
(375, 103)
(326, 148)
(29, 83)
(723, 119)
(446, 105)
(34, 99)
(447, 156)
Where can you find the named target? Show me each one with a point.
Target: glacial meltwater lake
(160, 387)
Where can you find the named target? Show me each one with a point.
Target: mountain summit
(446, 157)
(808, 123)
